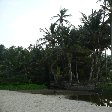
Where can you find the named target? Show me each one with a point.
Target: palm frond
(58, 15)
(58, 20)
(66, 21)
(54, 17)
(46, 32)
(67, 15)
(84, 19)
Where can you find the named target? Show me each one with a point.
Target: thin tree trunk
(26, 73)
(105, 63)
(98, 65)
(91, 73)
(70, 67)
(111, 26)
(70, 72)
(77, 75)
(97, 73)
(111, 35)
(52, 71)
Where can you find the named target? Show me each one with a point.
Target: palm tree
(61, 17)
(50, 41)
(107, 6)
(95, 37)
(50, 36)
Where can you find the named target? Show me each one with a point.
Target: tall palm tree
(61, 17)
(107, 6)
(95, 37)
(50, 40)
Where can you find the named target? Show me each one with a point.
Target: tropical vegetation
(65, 54)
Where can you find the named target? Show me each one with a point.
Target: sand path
(11, 101)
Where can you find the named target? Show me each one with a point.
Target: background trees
(95, 34)
(65, 53)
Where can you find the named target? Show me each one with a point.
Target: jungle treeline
(64, 53)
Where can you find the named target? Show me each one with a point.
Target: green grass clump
(104, 88)
(22, 87)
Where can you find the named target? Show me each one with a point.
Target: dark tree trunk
(92, 68)
(77, 75)
(69, 56)
(52, 71)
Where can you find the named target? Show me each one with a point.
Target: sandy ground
(11, 101)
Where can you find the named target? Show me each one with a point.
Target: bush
(104, 88)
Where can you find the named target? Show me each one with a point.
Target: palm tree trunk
(97, 71)
(77, 75)
(97, 64)
(98, 57)
(70, 71)
(70, 66)
(111, 36)
(52, 71)
(111, 26)
(91, 73)
(106, 62)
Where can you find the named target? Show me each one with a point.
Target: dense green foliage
(104, 88)
(18, 65)
(65, 53)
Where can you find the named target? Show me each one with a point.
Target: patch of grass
(22, 87)
(104, 88)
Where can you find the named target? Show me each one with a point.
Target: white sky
(20, 20)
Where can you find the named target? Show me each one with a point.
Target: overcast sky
(20, 20)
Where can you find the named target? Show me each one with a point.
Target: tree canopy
(64, 53)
